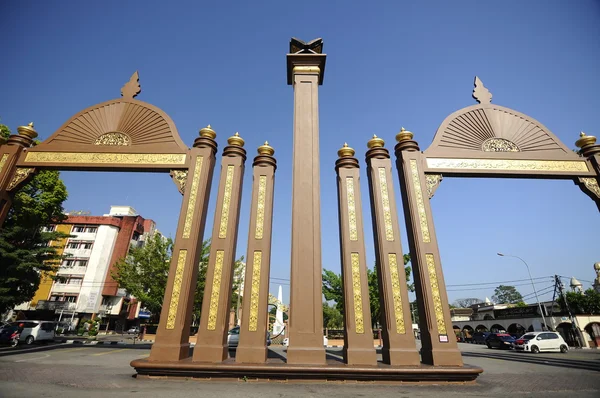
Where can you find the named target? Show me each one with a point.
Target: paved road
(99, 371)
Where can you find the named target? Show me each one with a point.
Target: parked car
(500, 340)
(479, 337)
(133, 330)
(32, 331)
(9, 335)
(233, 337)
(541, 341)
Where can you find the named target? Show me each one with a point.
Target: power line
(491, 287)
(500, 282)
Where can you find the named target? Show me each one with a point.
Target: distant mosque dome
(576, 285)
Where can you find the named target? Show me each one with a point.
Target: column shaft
(396, 323)
(358, 339)
(439, 347)
(172, 336)
(252, 346)
(211, 344)
(306, 311)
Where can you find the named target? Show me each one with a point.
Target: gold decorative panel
(172, 316)
(351, 208)
(385, 202)
(396, 292)
(508, 165)
(433, 180)
(255, 293)
(435, 292)
(180, 178)
(113, 138)
(213, 310)
(419, 199)
(226, 202)
(20, 175)
(191, 207)
(106, 158)
(357, 293)
(3, 161)
(592, 184)
(260, 207)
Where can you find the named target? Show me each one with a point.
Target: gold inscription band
(255, 294)
(435, 291)
(189, 214)
(508, 164)
(398, 311)
(307, 69)
(419, 199)
(351, 208)
(260, 207)
(226, 202)
(106, 158)
(357, 293)
(172, 316)
(213, 310)
(385, 202)
(3, 161)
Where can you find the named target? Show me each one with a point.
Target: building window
(91, 230)
(68, 263)
(49, 228)
(74, 244)
(81, 263)
(79, 228)
(70, 299)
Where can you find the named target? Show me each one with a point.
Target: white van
(35, 331)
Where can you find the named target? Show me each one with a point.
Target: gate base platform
(281, 371)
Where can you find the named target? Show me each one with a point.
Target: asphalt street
(99, 371)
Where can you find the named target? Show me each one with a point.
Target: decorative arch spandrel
(497, 141)
(120, 133)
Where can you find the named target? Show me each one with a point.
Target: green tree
(587, 303)
(144, 272)
(26, 252)
(332, 317)
(507, 295)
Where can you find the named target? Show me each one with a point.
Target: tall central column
(305, 72)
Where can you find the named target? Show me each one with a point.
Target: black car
(479, 337)
(500, 340)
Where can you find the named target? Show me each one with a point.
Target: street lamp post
(532, 285)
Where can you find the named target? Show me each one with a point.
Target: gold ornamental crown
(235, 140)
(208, 132)
(375, 142)
(346, 151)
(266, 149)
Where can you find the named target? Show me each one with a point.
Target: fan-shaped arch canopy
(495, 140)
(122, 132)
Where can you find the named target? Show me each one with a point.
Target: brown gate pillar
(252, 347)
(590, 150)
(211, 343)
(305, 69)
(10, 152)
(439, 346)
(396, 324)
(172, 336)
(358, 339)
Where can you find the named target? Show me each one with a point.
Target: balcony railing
(55, 305)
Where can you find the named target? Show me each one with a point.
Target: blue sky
(390, 64)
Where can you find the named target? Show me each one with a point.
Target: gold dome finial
(404, 135)
(208, 132)
(236, 140)
(375, 142)
(27, 131)
(585, 140)
(346, 151)
(266, 149)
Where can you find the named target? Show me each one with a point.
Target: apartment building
(84, 287)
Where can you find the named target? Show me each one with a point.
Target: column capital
(306, 64)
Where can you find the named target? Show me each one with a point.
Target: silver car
(233, 337)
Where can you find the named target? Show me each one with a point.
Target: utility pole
(574, 324)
